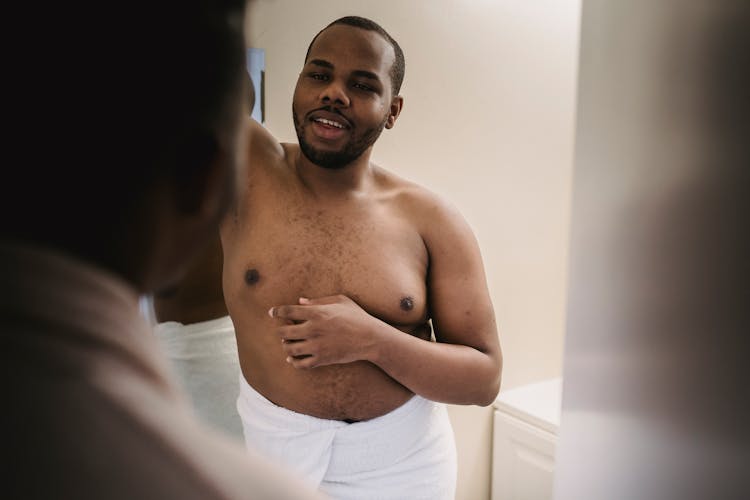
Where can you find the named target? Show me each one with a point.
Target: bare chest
(372, 255)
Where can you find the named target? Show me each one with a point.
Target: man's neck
(351, 179)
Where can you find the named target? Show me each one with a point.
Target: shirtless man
(334, 269)
(111, 205)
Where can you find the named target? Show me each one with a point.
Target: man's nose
(335, 93)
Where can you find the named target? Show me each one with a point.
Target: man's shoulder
(434, 216)
(411, 195)
(264, 148)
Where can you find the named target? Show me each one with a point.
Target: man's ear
(397, 104)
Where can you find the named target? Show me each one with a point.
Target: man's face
(343, 98)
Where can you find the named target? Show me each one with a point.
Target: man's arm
(462, 367)
(198, 296)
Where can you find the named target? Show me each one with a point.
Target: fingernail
(303, 300)
(270, 312)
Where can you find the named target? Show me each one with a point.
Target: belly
(351, 391)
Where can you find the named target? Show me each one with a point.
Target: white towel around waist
(406, 453)
(204, 358)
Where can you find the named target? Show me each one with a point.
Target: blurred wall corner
(656, 369)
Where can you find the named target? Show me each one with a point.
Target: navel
(407, 304)
(252, 276)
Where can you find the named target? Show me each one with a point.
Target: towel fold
(408, 453)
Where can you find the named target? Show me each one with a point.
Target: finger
(320, 301)
(290, 312)
(293, 333)
(297, 349)
(302, 363)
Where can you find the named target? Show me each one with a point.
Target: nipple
(252, 276)
(407, 304)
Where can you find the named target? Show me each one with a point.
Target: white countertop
(538, 403)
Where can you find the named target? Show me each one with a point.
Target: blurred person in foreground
(118, 182)
(192, 323)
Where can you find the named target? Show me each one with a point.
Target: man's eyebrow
(358, 72)
(366, 74)
(320, 62)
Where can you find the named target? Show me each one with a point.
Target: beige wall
(488, 123)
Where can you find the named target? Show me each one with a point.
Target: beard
(337, 159)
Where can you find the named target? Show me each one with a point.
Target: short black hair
(399, 65)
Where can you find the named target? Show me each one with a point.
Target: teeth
(329, 122)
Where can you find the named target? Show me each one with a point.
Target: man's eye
(362, 86)
(318, 76)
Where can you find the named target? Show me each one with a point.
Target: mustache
(331, 109)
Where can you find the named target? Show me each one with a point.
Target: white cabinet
(526, 421)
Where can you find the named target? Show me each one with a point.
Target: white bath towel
(204, 358)
(408, 453)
